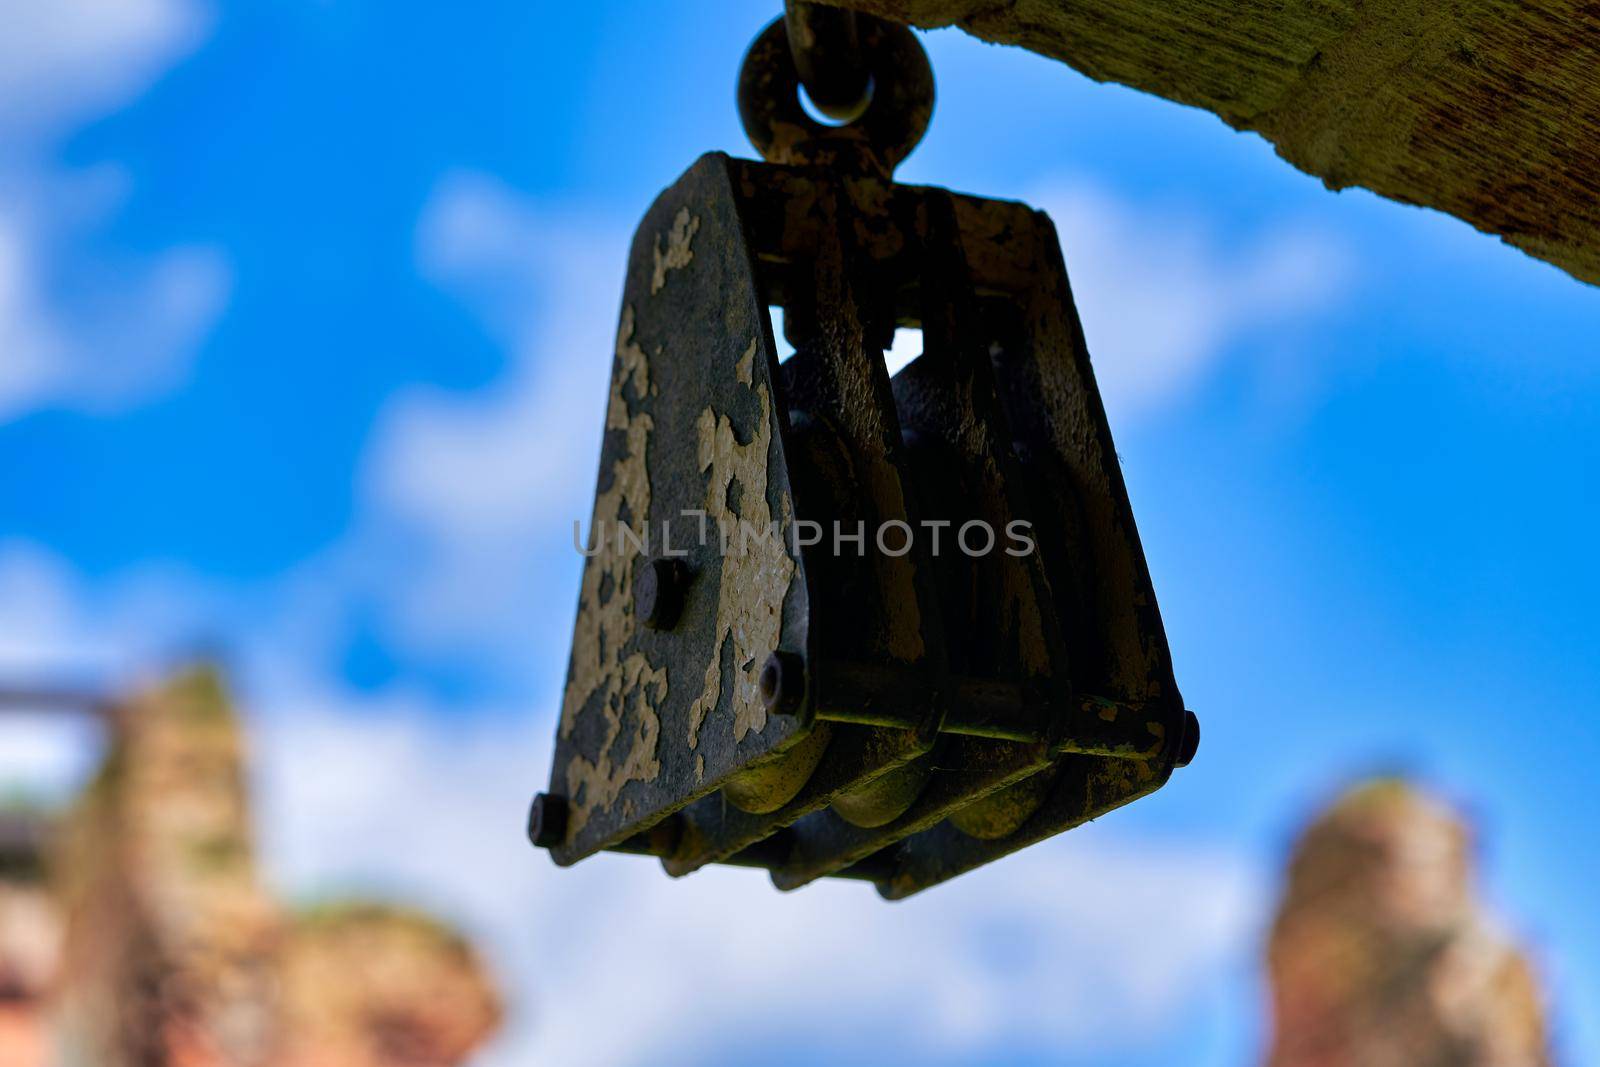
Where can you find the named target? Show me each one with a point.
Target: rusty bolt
(547, 820)
(658, 592)
(1189, 743)
(783, 683)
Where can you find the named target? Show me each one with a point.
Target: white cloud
(484, 486)
(526, 449)
(121, 342)
(65, 61)
(45, 756)
(1074, 941)
(87, 330)
(60, 628)
(1164, 300)
(50, 630)
(61, 633)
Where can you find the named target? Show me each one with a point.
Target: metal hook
(826, 46)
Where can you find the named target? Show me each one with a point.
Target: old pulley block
(835, 623)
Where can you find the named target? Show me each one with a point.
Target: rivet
(547, 820)
(783, 683)
(1189, 743)
(658, 592)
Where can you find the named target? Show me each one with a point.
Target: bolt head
(782, 683)
(658, 591)
(547, 820)
(1189, 743)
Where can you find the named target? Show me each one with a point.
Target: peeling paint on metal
(745, 369)
(756, 571)
(606, 623)
(678, 252)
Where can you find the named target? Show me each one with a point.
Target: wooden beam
(1486, 109)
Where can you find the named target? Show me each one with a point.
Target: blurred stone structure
(171, 937)
(1382, 955)
(144, 936)
(30, 955)
(136, 931)
(368, 985)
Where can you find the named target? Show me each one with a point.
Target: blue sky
(306, 311)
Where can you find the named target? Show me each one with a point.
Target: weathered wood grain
(1486, 109)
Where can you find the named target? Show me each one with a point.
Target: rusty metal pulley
(835, 623)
